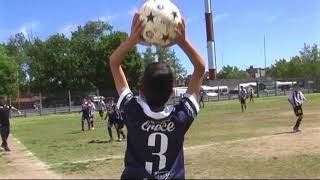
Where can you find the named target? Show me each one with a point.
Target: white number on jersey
(163, 149)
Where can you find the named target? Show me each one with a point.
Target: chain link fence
(45, 103)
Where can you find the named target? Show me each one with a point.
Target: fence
(70, 101)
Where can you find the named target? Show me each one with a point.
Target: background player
(101, 107)
(155, 132)
(85, 114)
(296, 99)
(119, 124)
(201, 101)
(5, 121)
(243, 98)
(251, 94)
(92, 110)
(112, 116)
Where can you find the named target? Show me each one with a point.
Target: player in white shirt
(243, 98)
(296, 99)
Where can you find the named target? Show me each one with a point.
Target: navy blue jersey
(4, 115)
(155, 140)
(113, 113)
(85, 110)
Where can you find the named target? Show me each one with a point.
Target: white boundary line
(30, 154)
(186, 148)
(37, 162)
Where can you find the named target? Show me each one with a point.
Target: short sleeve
(187, 109)
(191, 103)
(124, 98)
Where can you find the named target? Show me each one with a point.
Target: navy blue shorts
(111, 122)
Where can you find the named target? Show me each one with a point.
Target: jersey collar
(154, 115)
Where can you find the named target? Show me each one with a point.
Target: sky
(239, 25)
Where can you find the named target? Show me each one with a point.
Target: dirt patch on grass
(22, 164)
(285, 144)
(279, 144)
(314, 113)
(283, 155)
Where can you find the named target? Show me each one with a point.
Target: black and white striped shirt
(296, 98)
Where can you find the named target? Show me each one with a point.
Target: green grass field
(58, 141)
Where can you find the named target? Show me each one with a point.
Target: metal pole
(40, 109)
(212, 63)
(264, 49)
(276, 88)
(69, 94)
(218, 92)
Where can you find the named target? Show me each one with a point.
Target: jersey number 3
(163, 149)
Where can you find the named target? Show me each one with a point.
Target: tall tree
(17, 47)
(307, 65)
(232, 72)
(169, 56)
(148, 56)
(9, 70)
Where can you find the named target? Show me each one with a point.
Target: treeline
(79, 62)
(304, 65)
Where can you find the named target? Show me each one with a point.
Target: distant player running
(5, 122)
(101, 107)
(201, 101)
(243, 98)
(112, 116)
(92, 110)
(85, 114)
(251, 93)
(119, 124)
(296, 99)
(156, 132)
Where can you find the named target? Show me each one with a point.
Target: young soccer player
(119, 124)
(92, 110)
(101, 107)
(251, 95)
(112, 116)
(201, 102)
(5, 122)
(243, 98)
(85, 114)
(155, 132)
(296, 99)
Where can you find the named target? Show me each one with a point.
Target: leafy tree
(169, 56)
(9, 73)
(232, 72)
(148, 56)
(17, 47)
(304, 66)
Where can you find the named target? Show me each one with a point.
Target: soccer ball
(160, 18)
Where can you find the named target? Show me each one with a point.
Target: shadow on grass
(75, 132)
(288, 132)
(98, 142)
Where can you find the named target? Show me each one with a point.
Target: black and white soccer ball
(160, 17)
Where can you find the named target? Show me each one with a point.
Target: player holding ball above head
(155, 132)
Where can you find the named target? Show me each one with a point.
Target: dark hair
(157, 84)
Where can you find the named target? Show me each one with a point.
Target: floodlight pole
(212, 63)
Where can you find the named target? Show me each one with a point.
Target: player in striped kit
(243, 98)
(296, 99)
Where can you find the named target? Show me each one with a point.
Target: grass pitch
(222, 142)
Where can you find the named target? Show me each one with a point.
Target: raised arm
(120, 53)
(195, 82)
(15, 109)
